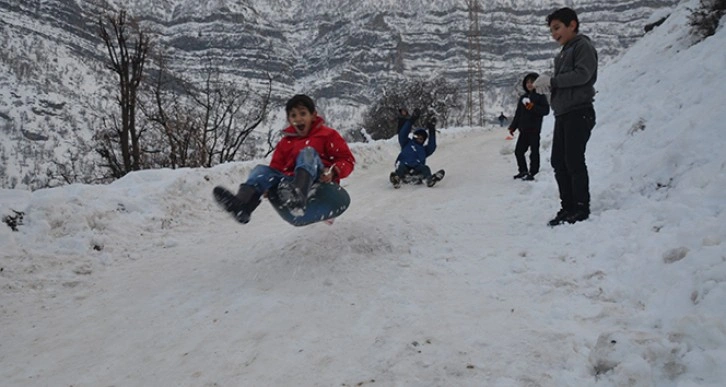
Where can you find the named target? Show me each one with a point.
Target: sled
(326, 201)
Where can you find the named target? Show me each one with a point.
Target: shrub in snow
(704, 20)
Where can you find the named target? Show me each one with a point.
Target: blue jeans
(262, 177)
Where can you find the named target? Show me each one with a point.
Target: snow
(146, 282)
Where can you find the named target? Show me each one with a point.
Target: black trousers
(421, 169)
(572, 131)
(527, 140)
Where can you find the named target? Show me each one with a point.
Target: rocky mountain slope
(53, 83)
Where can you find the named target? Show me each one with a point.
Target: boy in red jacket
(309, 151)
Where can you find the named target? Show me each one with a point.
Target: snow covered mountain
(53, 84)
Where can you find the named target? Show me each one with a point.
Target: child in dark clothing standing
(531, 107)
(572, 97)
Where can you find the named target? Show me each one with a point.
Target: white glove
(528, 104)
(542, 84)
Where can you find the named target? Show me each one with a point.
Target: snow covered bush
(705, 20)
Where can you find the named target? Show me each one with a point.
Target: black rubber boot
(435, 178)
(294, 194)
(580, 213)
(241, 205)
(395, 180)
(303, 181)
(560, 218)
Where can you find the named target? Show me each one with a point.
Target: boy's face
(561, 32)
(529, 84)
(301, 119)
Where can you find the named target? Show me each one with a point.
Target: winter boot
(560, 218)
(528, 177)
(581, 212)
(395, 180)
(520, 175)
(435, 178)
(294, 194)
(240, 205)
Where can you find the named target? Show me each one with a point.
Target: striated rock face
(361, 45)
(342, 52)
(349, 47)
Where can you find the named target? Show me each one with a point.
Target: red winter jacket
(330, 145)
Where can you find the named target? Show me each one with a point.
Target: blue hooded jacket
(413, 153)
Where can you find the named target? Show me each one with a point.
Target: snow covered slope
(146, 282)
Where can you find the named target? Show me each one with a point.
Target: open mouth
(299, 127)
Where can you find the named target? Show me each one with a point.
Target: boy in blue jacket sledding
(411, 162)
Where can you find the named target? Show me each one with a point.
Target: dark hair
(300, 100)
(421, 132)
(532, 76)
(566, 16)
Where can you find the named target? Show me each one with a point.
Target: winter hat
(421, 132)
(532, 76)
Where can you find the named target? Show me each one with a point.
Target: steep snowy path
(445, 286)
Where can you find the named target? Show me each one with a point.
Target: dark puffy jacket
(530, 121)
(413, 153)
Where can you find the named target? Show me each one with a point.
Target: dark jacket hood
(527, 77)
(421, 132)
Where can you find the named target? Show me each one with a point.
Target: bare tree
(271, 140)
(203, 123)
(127, 47)
(229, 116)
(174, 119)
(74, 168)
(206, 123)
(435, 97)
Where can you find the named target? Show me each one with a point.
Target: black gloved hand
(416, 114)
(431, 124)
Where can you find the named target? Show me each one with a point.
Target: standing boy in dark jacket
(414, 151)
(573, 93)
(531, 107)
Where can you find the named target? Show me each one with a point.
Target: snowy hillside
(344, 53)
(146, 282)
